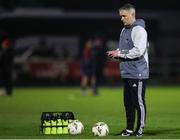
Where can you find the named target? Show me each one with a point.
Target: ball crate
(55, 122)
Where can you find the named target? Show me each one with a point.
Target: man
(134, 66)
(6, 65)
(88, 68)
(99, 52)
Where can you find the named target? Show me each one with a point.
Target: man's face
(127, 17)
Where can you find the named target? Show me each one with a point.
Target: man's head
(128, 14)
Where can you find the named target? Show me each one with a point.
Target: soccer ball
(75, 127)
(100, 129)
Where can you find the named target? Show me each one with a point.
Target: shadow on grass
(163, 131)
(154, 132)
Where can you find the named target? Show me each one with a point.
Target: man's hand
(113, 54)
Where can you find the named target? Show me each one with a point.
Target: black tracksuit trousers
(134, 102)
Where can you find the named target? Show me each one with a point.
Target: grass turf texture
(20, 114)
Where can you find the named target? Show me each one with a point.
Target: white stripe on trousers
(141, 105)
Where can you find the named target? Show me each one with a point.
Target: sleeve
(139, 38)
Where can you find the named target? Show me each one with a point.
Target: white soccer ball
(100, 129)
(75, 127)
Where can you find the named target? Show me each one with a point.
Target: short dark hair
(127, 6)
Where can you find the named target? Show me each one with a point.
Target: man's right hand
(113, 54)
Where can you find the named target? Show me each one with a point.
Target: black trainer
(137, 134)
(126, 133)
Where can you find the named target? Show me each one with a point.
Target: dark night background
(80, 19)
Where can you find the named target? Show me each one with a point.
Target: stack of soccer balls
(99, 129)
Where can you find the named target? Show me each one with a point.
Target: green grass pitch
(20, 114)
